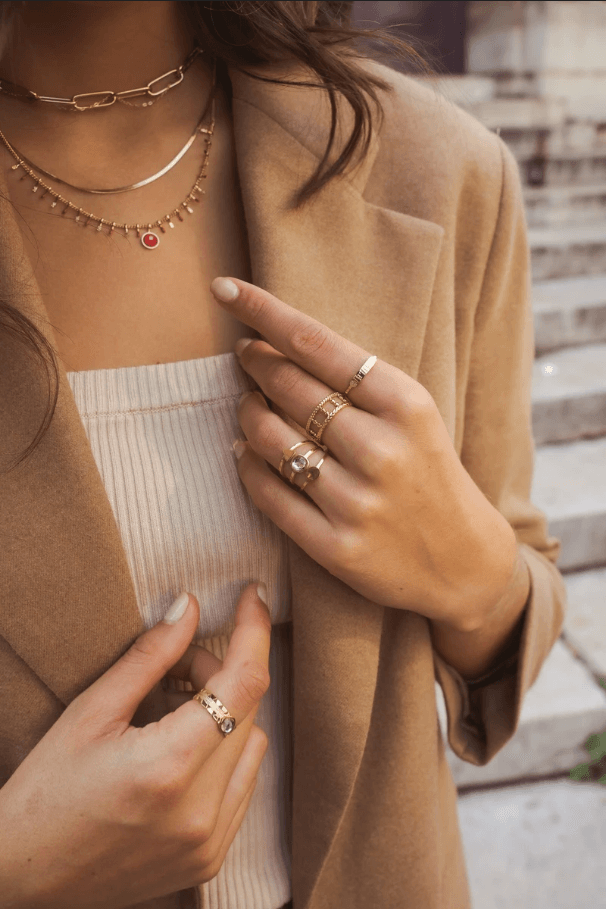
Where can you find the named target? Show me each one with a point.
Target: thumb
(114, 697)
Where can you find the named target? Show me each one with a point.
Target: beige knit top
(162, 437)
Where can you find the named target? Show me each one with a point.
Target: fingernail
(239, 448)
(240, 344)
(224, 289)
(262, 592)
(177, 610)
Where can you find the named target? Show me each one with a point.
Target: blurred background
(534, 818)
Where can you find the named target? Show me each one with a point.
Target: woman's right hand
(102, 814)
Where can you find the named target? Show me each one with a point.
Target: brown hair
(239, 34)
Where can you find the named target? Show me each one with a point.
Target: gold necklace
(149, 239)
(107, 98)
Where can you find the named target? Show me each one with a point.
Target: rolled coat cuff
(484, 713)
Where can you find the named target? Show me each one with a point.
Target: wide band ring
(320, 417)
(363, 370)
(219, 712)
(299, 463)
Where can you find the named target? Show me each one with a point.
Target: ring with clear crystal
(219, 712)
(299, 463)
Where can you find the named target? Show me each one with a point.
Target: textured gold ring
(363, 370)
(321, 417)
(219, 712)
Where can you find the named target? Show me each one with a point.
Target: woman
(413, 553)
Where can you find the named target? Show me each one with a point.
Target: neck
(59, 49)
(64, 48)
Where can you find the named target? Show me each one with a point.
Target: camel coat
(420, 256)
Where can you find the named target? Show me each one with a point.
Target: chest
(112, 302)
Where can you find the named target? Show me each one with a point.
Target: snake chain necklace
(149, 238)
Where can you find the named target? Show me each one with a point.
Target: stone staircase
(563, 170)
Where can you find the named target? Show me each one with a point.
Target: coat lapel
(364, 270)
(367, 272)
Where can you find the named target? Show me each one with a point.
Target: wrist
(494, 564)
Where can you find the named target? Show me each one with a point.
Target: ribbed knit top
(162, 437)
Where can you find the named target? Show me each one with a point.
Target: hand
(393, 514)
(104, 814)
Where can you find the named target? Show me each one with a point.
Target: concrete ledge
(569, 311)
(560, 252)
(585, 624)
(569, 486)
(521, 113)
(536, 846)
(465, 90)
(565, 206)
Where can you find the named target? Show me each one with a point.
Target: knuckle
(253, 304)
(311, 340)
(284, 377)
(376, 456)
(198, 833)
(266, 436)
(368, 508)
(160, 787)
(252, 681)
(385, 457)
(211, 866)
(140, 652)
(419, 402)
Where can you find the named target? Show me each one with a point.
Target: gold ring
(219, 712)
(288, 453)
(299, 464)
(317, 424)
(312, 474)
(363, 370)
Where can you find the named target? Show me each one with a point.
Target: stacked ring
(313, 473)
(300, 464)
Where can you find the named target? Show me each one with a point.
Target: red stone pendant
(150, 240)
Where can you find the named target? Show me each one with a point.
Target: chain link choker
(149, 238)
(153, 89)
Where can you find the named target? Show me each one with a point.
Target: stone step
(569, 394)
(569, 311)
(564, 706)
(562, 252)
(585, 624)
(569, 486)
(556, 206)
(565, 169)
(512, 115)
(535, 846)
(571, 141)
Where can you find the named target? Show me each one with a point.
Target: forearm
(473, 653)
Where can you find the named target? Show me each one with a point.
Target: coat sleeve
(498, 452)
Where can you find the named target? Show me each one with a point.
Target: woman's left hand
(393, 513)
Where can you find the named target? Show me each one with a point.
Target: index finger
(239, 683)
(312, 345)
